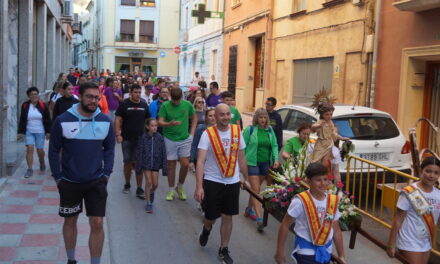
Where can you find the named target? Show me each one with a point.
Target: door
(232, 71)
(310, 76)
(257, 67)
(431, 108)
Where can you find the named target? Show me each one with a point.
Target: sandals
(249, 213)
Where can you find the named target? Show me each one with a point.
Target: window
(310, 76)
(367, 128)
(298, 118)
(283, 113)
(128, 2)
(299, 5)
(148, 3)
(146, 31)
(127, 30)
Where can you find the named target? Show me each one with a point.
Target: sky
(79, 5)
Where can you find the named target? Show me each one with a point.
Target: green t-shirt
(293, 146)
(263, 150)
(235, 115)
(181, 112)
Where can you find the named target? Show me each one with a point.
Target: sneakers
(151, 196)
(170, 195)
(223, 255)
(249, 213)
(126, 188)
(42, 166)
(28, 173)
(149, 208)
(140, 193)
(181, 193)
(260, 225)
(203, 238)
(71, 262)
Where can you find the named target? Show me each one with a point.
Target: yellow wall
(310, 36)
(240, 28)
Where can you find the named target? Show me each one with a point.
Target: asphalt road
(170, 234)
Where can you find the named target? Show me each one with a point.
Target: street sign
(201, 13)
(162, 54)
(177, 49)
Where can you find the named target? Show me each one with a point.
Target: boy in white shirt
(313, 213)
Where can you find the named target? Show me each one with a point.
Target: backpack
(42, 106)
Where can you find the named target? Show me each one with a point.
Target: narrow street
(30, 229)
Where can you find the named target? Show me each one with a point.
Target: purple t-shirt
(214, 100)
(112, 100)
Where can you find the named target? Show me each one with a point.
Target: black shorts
(220, 199)
(72, 194)
(129, 150)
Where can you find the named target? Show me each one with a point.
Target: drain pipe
(375, 51)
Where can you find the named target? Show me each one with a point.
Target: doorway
(258, 67)
(431, 106)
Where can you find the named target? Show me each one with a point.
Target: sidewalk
(30, 228)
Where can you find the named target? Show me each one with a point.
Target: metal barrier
(376, 189)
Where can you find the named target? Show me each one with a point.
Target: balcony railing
(416, 5)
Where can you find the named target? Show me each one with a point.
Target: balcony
(129, 41)
(76, 28)
(416, 5)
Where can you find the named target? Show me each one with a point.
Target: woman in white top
(409, 228)
(34, 125)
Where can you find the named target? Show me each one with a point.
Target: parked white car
(374, 133)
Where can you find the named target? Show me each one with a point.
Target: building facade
(137, 35)
(201, 44)
(408, 64)
(35, 45)
(321, 44)
(247, 40)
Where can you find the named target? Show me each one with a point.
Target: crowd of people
(157, 126)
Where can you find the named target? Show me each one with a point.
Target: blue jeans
(262, 168)
(35, 139)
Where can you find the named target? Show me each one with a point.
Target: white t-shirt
(413, 234)
(56, 97)
(148, 98)
(296, 210)
(212, 170)
(34, 120)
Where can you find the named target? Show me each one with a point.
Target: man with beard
(129, 126)
(83, 137)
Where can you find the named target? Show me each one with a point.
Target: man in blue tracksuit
(84, 139)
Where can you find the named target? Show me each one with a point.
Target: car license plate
(375, 156)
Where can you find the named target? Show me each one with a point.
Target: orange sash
(319, 231)
(427, 216)
(227, 164)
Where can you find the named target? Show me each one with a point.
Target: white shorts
(178, 149)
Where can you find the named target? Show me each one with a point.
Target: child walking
(151, 157)
(316, 214)
(418, 210)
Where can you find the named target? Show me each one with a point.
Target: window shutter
(127, 26)
(146, 28)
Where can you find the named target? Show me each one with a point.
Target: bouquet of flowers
(349, 214)
(277, 197)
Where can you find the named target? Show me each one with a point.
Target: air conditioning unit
(358, 2)
(67, 8)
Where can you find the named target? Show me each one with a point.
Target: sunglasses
(201, 102)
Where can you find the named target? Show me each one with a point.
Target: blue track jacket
(86, 146)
